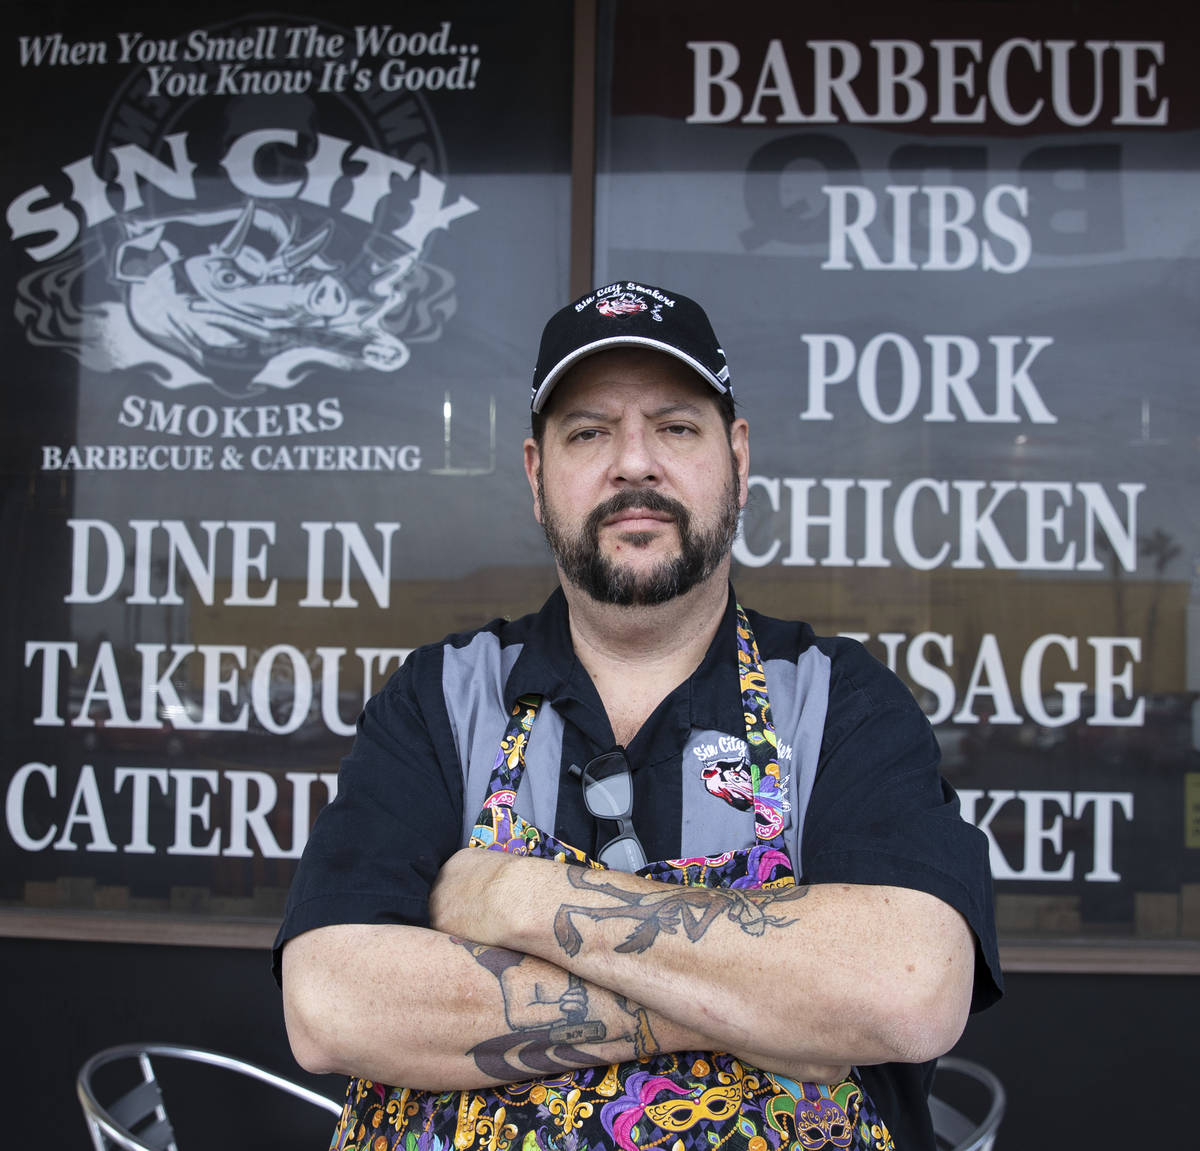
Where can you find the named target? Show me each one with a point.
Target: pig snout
(327, 297)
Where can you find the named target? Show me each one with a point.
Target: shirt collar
(716, 684)
(547, 658)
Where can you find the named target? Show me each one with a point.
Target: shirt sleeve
(375, 851)
(880, 813)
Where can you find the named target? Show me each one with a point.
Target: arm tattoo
(546, 1021)
(694, 909)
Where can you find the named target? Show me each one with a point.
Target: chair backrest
(953, 1128)
(137, 1120)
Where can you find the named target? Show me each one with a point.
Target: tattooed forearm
(512, 1057)
(517, 1055)
(550, 1015)
(694, 909)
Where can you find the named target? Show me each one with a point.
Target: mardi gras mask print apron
(680, 1101)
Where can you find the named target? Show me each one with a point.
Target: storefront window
(952, 253)
(275, 284)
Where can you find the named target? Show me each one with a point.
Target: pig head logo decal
(261, 290)
(247, 242)
(246, 288)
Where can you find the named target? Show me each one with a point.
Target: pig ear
(294, 256)
(232, 244)
(138, 257)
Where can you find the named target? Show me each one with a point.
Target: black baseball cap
(628, 314)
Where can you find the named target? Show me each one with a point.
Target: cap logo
(627, 304)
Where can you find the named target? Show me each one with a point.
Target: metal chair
(137, 1120)
(953, 1130)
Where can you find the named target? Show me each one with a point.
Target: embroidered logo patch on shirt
(726, 772)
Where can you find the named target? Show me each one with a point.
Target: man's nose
(635, 462)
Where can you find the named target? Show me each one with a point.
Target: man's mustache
(651, 501)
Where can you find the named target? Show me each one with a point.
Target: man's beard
(700, 552)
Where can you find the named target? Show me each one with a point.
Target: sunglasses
(608, 794)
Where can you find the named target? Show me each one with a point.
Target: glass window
(952, 253)
(276, 284)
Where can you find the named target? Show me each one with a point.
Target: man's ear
(739, 442)
(533, 463)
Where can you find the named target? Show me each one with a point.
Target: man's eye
(584, 434)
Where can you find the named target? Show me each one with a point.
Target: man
(645, 868)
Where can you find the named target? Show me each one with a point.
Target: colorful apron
(680, 1101)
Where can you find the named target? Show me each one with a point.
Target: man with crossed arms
(644, 868)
